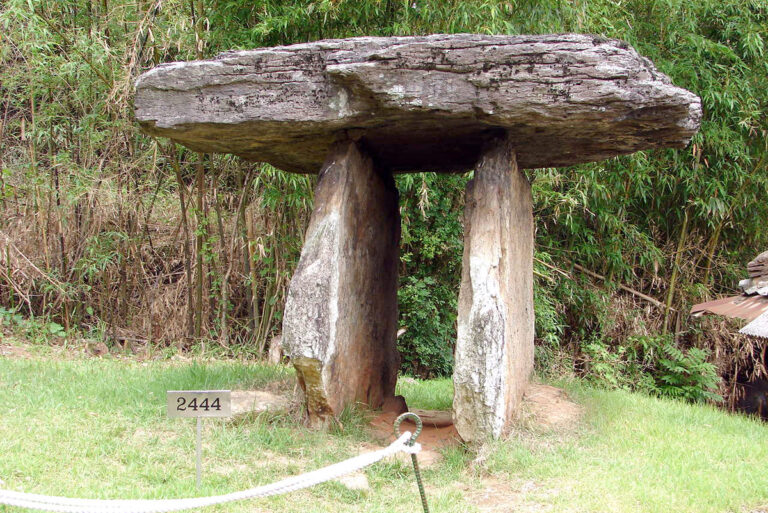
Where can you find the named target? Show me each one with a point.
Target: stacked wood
(759, 266)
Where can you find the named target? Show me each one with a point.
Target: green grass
(435, 394)
(97, 428)
(641, 454)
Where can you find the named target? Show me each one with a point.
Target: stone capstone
(340, 321)
(424, 103)
(494, 347)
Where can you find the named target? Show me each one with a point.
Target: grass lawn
(97, 428)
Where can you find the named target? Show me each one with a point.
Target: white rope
(291, 484)
(412, 449)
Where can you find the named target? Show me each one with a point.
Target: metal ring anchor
(416, 420)
(419, 426)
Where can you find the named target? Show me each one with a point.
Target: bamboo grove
(107, 234)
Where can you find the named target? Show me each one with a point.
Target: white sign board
(199, 403)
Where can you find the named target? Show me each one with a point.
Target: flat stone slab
(425, 103)
(434, 418)
(256, 401)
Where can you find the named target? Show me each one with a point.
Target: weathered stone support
(494, 349)
(340, 318)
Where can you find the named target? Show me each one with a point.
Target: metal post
(416, 471)
(199, 449)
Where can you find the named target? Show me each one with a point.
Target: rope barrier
(404, 443)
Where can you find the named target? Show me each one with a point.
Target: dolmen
(355, 112)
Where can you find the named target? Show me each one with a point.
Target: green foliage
(431, 253)
(37, 330)
(687, 374)
(427, 313)
(654, 364)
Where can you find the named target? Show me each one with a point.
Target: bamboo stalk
(187, 249)
(224, 335)
(62, 244)
(199, 241)
(224, 269)
(593, 274)
(675, 272)
(245, 254)
(255, 310)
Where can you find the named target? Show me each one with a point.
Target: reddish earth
(544, 408)
(548, 408)
(431, 437)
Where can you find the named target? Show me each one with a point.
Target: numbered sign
(199, 403)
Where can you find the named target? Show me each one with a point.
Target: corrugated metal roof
(757, 328)
(743, 307)
(752, 305)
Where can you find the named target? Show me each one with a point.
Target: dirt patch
(549, 408)
(545, 408)
(257, 401)
(432, 439)
(11, 351)
(494, 495)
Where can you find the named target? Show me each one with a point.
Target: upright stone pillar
(340, 320)
(494, 348)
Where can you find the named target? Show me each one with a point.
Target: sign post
(198, 404)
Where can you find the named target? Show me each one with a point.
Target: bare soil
(545, 408)
(13, 351)
(549, 408)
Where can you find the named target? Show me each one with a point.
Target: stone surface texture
(275, 353)
(340, 321)
(425, 103)
(494, 347)
(759, 266)
(257, 401)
